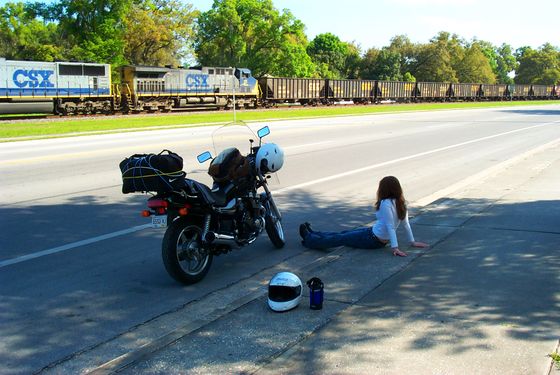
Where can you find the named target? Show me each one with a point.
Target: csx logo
(197, 80)
(33, 78)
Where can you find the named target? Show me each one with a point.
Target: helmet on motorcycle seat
(284, 291)
(270, 158)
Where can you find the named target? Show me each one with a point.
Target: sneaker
(303, 231)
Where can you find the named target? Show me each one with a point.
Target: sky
(372, 23)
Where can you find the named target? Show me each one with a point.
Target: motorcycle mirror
(204, 157)
(263, 132)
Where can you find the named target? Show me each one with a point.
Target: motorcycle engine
(250, 220)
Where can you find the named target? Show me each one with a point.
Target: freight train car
(541, 91)
(161, 88)
(304, 91)
(493, 92)
(465, 91)
(357, 91)
(72, 87)
(432, 91)
(519, 92)
(397, 91)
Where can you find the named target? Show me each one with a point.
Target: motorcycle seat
(213, 197)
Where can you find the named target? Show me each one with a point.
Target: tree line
(252, 34)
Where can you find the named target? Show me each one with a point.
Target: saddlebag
(151, 172)
(229, 165)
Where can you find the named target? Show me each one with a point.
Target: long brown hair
(390, 188)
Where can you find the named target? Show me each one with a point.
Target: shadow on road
(498, 272)
(53, 306)
(495, 269)
(533, 112)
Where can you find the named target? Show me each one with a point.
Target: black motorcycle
(205, 221)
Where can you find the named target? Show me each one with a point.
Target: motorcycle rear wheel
(184, 257)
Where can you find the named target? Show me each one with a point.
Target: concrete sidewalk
(484, 299)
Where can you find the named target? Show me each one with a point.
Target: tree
(368, 64)
(24, 37)
(433, 64)
(352, 61)
(94, 29)
(505, 62)
(540, 66)
(293, 61)
(253, 34)
(159, 32)
(329, 54)
(500, 58)
(384, 65)
(474, 66)
(408, 77)
(402, 45)
(435, 61)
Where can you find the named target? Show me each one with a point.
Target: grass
(556, 359)
(15, 130)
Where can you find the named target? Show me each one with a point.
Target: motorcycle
(204, 222)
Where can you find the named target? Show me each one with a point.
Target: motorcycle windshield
(234, 134)
(239, 135)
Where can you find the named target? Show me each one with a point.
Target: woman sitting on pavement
(391, 212)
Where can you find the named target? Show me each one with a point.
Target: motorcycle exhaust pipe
(220, 239)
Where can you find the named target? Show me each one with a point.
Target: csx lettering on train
(33, 78)
(197, 80)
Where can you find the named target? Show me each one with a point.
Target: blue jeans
(362, 238)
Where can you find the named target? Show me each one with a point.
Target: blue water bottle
(315, 293)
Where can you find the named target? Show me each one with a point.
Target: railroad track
(24, 117)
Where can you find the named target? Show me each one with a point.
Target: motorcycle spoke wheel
(184, 256)
(273, 227)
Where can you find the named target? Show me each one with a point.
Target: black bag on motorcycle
(229, 165)
(151, 172)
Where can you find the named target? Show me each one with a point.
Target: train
(86, 88)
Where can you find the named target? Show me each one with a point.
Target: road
(78, 268)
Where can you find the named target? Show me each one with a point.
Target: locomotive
(73, 87)
(86, 88)
(155, 88)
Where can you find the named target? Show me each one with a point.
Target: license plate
(159, 221)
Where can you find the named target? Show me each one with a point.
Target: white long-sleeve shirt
(385, 228)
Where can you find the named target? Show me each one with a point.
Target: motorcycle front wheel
(184, 257)
(273, 227)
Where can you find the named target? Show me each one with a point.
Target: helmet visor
(277, 293)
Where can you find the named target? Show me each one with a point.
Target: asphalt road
(78, 268)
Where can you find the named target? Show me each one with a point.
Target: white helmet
(284, 291)
(270, 158)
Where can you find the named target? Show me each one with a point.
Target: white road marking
(483, 174)
(73, 245)
(394, 161)
(307, 145)
(425, 200)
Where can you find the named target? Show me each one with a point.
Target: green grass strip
(17, 130)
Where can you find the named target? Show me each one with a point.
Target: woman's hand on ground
(419, 244)
(398, 252)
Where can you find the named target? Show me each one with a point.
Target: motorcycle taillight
(157, 203)
(183, 211)
(157, 206)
